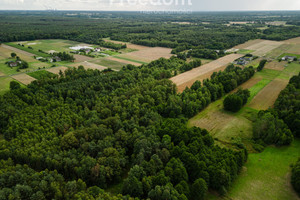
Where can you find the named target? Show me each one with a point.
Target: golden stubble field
(188, 78)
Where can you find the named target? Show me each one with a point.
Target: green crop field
(245, 51)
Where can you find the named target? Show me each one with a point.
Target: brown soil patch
(81, 58)
(124, 61)
(203, 72)
(56, 70)
(23, 78)
(268, 95)
(276, 65)
(88, 65)
(2, 74)
(149, 54)
(17, 50)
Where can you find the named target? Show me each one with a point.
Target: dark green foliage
(295, 179)
(287, 105)
(13, 55)
(205, 53)
(234, 102)
(14, 85)
(261, 65)
(112, 45)
(271, 130)
(199, 189)
(64, 56)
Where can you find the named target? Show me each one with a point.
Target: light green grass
(109, 63)
(266, 175)
(245, 51)
(132, 60)
(48, 45)
(4, 68)
(40, 74)
(290, 54)
(33, 51)
(4, 84)
(291, 70)
(254, 90)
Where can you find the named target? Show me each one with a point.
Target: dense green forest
(203, 31)
(89, 128)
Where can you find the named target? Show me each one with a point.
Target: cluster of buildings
(14, 63)
(85, 49)
(243, 60)
(53, 59)
(289, 58)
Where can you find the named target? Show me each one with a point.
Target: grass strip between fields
(132, 60)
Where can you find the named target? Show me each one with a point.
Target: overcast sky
(162, 5)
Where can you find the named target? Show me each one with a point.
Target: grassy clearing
(266, 175)
(50, 45)
(4, 84)
(109, 63)
(33, 51)
(245, 51)
(40, 74)
(132, 60)
(291, 70)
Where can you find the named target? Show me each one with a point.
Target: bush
(235, 102)
(261, 65)
(295, 179)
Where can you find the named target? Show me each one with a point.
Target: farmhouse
(289, 58)
(98, 49)
(13, 64)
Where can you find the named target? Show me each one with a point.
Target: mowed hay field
(263, 47)
(81, 58)
(23, 78)
(56, 70)
(5, 52)
(88, 65)
(124, 61)
(203, 72)
(268, 95)
(147, 55)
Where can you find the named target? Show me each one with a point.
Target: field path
(17, 50)
(203, 72)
